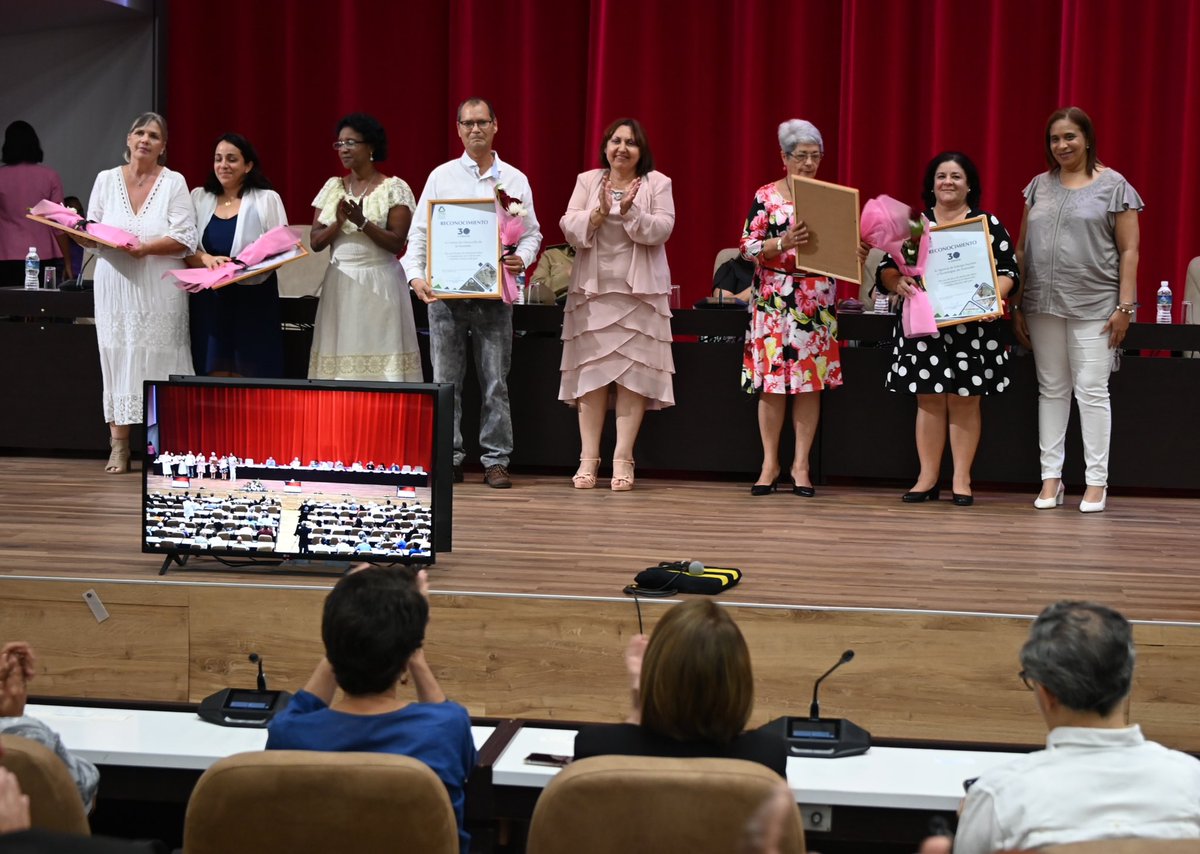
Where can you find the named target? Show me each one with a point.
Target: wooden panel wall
(915, 675)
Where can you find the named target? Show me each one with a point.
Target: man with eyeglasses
(1098, 777)
(486, 322)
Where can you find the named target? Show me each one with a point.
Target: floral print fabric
(791, 345)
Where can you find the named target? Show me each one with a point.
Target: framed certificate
(463, 252)
(831, 213)
(960, 273)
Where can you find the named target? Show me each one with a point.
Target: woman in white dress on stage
(141, 319)
(364, 326)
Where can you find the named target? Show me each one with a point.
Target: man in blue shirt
(373, 628)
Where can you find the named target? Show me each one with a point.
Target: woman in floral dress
(791, 346)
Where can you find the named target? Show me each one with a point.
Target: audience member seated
(17, 667)
(373, 628)
(692, 691)
(1098, 778)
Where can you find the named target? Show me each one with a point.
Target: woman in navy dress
(236, 329)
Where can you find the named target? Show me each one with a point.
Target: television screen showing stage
(297, 471)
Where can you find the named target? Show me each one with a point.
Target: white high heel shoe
(1094, 506)
(1056, 501)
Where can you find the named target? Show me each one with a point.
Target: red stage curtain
(888, 84)
(311, 424)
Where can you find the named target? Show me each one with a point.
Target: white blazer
(261, 211)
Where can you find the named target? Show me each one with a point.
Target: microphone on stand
(255, 658)
(814, 710)
(818, 737)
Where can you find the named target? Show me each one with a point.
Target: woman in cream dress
(364, 325)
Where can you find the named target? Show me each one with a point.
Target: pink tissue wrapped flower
(512, 215)
(889, 225)
(65, 216)
(275, 242)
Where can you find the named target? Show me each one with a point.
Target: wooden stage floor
(851, 547)
(528, 619)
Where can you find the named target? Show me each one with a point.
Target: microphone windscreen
(695, 567)
(848, 655)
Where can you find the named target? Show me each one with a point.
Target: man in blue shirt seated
(373, 628)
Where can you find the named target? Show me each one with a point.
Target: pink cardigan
(648, 225)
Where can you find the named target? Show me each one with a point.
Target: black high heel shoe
(963, 500)
(918, 497)
(803, 491)
(765, 488)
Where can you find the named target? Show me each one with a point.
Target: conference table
(49, 364)
(887, 794)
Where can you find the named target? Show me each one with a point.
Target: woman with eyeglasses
(791, 350)
(364, 327)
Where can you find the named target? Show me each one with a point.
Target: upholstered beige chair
(54, 802)
(284, 801)
(607, 804)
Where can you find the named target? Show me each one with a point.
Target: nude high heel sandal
(118, 458)
(622, 482)
(586, 479)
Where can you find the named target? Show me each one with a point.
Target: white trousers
(1072, 356)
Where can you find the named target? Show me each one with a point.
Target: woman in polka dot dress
(948, 373)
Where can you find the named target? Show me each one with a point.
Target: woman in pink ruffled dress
(617, 323)
(791, 348)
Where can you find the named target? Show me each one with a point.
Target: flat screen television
(297, 472)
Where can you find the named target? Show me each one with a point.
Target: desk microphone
(255, 658)
(814, 710)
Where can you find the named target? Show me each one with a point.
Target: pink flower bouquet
(512, 213)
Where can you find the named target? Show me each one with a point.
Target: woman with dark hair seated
(364, 327)
(236, 330)
(693, 692)
(373, 628)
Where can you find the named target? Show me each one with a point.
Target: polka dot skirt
(965, 359)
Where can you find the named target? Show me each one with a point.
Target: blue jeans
(489, 325)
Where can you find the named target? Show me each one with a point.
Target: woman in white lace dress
(364, 327)
(141, 320)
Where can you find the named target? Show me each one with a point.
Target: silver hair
(795, 132)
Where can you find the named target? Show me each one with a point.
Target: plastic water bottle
(521, 288)
(882, 305)
(1163, 301)
(33, 269)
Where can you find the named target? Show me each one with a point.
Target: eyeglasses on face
(348, 144)
(482, 124)
(1024, 677)
(811, 157)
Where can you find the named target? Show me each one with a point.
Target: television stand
(170, 559)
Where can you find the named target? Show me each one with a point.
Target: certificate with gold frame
(960, 273)
(462, 259)
(831, 213)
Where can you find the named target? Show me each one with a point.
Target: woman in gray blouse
(1078, 253)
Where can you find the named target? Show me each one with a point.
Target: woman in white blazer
(236, 329)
